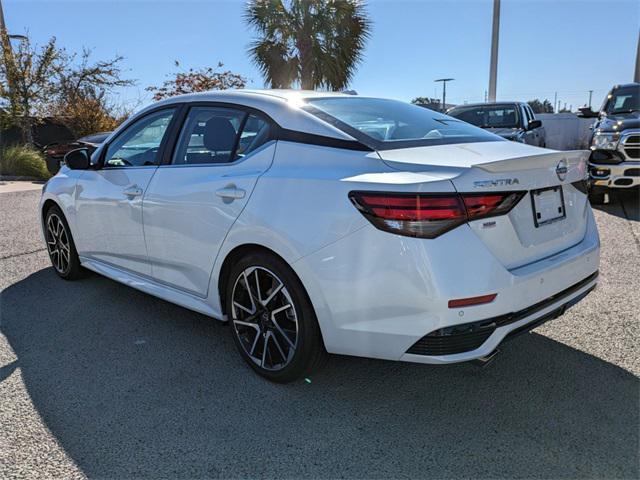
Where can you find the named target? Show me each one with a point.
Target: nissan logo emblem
(561, 170)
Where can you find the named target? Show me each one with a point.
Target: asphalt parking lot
(99, 380)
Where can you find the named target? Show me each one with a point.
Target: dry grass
(23, 161)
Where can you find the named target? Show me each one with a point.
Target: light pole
(3, 31)
(444, 90)
(495, 36)
(636, 75)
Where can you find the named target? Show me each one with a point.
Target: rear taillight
(430, 215)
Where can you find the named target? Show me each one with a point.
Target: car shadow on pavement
(132, 386)
(623, 204)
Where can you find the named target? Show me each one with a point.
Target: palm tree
(315, 44)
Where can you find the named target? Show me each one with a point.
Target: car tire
(280, 343)
(53, 165)
(60, 246)
(597, 197)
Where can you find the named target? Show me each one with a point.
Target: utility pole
(555, 102)
(444, 90)
(636, 76)
(590, 93)
(495, 36)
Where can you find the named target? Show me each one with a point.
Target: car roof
(626, 85)
(280, 105)
(483, 104)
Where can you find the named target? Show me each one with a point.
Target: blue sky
(545, 45)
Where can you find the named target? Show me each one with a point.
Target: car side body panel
(375, 293)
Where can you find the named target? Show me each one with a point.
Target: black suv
(615, 143)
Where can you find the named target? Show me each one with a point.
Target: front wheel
(60, 246)
(596, 197)
(273, 322)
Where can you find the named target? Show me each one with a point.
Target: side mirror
(78, 159)
(586, 112)
(535, 124)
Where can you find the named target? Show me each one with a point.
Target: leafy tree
(83, 100)
(200, 80)
(310, 43)
(27, 81)
(540, 107)
(47, 81)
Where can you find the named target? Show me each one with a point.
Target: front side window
(383, 124)
(139, 144)
(218, 135)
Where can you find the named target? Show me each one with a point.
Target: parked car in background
(55, 152)
(614, 163)
(511, 120)
(316, 222)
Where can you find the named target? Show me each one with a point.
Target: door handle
(231, 192)
(132, 191)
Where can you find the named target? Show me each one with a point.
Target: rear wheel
(62, 250)
(273, 323)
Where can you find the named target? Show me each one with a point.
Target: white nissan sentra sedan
(317, 222)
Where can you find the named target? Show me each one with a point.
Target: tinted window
(623, 100)
(210, 135)
(382, 123)
(138, 144)
(254, 134)
(488, 116)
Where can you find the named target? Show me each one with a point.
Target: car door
(540, 134)
(109, 199)
(192, 203)
(529, 137)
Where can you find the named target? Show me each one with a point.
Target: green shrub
(22, 161)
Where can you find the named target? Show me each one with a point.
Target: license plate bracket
(548, 205)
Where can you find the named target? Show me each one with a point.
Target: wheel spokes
(269, 342)
(58, 244)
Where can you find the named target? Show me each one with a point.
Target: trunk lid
(530, 231)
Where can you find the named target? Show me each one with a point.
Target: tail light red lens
(429, 215)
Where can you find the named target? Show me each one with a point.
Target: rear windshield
(386, 124)
(488, 116)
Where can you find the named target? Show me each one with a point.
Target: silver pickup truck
(511, 120)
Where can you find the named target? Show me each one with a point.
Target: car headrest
(219, 135)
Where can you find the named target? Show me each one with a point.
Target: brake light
(485, 205)
(429, 215)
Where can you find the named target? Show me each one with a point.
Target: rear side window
(213, 135)
(384, 124)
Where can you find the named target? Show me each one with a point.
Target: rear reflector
(430, 215)
(467, 302)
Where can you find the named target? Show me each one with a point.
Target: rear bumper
(621, 175)
(377, 295)
(484, 336)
